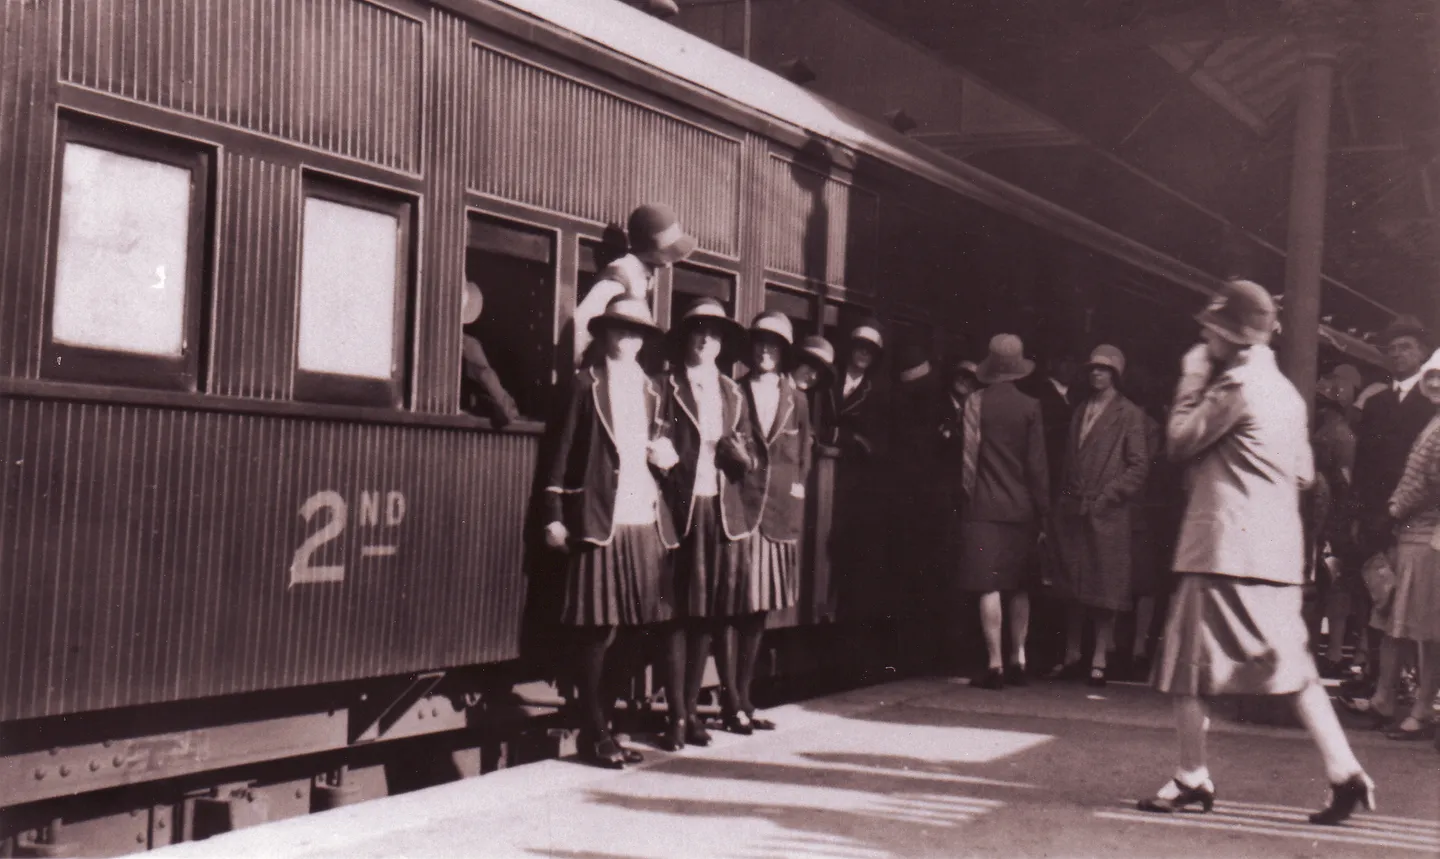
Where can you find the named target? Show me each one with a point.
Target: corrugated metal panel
(437, 352)
(557, 143)
(836, 237)
(252, 349)
(149, 553)
(339, 75)
(27, 94)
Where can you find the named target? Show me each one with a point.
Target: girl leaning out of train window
(709, 423)
(774, 496)
(604, 509)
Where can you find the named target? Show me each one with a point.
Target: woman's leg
(670, 660)
(1104, 637)
(1144, 619)
(1313, 706)
(1423, 710)
(991, 622)
(1192, 721)
(698, 636)
(591, 642)
(751, 629)
(723, 646)
(1019, 627)
(1074, 631)
(1337, 616)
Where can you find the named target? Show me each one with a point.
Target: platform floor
(916, 768)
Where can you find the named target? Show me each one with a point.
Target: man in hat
(656, 241)
(1005, 481)
(1234, 625)
(1389, 425)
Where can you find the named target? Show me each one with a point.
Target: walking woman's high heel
(1204, 794)
(1345, 797)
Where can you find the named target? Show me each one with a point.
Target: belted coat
(583, 480)
(1102, 477)
(782, 463)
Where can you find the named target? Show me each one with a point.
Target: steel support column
(1306, 245)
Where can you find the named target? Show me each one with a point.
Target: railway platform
(914, 768)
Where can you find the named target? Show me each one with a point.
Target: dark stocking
(725, 663)
(670, 664)
(591, 642)
(751, 629)
(697, 650)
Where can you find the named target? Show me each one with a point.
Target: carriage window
(353, 289)
(514, 267)
(691, 282)
(129, 258)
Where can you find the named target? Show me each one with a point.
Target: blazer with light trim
(783, 462)
(581, 488)
(682, 418)
(1244, 437)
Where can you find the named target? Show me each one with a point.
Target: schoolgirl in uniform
(709, 423)
(774, 497)
(604, 509)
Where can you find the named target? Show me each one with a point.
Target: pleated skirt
(774, 580)
(1231, 636)
(1414, 612)
(711, 571)
(628, 582)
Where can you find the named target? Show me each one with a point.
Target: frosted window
(120, 272)
(347, 290)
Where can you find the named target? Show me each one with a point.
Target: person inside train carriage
(774, 496)
(814, 374)
(481, 390)
(710, 423)
(1234, 625)
(1333, 441)
(855, 419)
(656, 241)
(1106, 461)
(604, 508)
(1005, 481)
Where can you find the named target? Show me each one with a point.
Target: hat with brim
(1242, 313)
(626, 312)
(869, 335)
(656, 235)
(819, 354)
(1109, 357)
(472, 303)
(1404, 326)
(775, 323)
(1006, 361)
(708, 311)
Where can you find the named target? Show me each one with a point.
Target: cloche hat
(1243, 312)
(818, 353)
(656, 236)
(710, 310)
(867, 332)
(1006, 361)
(1109, 356)
(625, 311)
(776, 323)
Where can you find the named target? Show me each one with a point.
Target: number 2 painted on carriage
(302, 572)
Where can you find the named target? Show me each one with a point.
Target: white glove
(662, 454)
(556, 535)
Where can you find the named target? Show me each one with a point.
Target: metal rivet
(54, 752)
(420, 714)
(108, 743)
(435, 711)
(64, 771)
(140, 839)
(299, 793)
(39, 773)
(134, 812)
(160, 824)
(94, 766)
(117, 760)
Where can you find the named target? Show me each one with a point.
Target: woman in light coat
(1106, 461)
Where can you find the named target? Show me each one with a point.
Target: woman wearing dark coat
(710, 423)
(603, 509)
(1106, 461)
(774, 496)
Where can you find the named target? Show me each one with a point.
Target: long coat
(782, 463)
(1101, 479)
(580, 491)
(1388, 428)
(1245, 439)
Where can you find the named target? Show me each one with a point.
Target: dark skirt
(774, 580)
(711, 571)
(996, 556)
(1230, 636)
(627, 582)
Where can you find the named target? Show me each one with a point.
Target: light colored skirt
(1231, 636)
(1414, 611)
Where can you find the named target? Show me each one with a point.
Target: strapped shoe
(604, 753)
(737, 723)
(1204, 794)
(1345, 797)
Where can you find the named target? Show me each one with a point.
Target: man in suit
(1005, 479)
(1389, 424)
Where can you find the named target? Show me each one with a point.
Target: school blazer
(682, 419)
(782, 461)
(580, 489)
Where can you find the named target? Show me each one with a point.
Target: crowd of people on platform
(679, 498)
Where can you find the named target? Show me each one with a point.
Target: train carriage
(246, 517)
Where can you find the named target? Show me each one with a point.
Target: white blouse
(635, 490)
(705, 384)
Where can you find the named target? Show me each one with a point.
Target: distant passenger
(709, 421)
(656, 241)
(1106, 461)
(1006, 484)
(814, 375)
(604, 508)
(774, 495)
(481, 390)
(1234, 625)
(953, 597)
